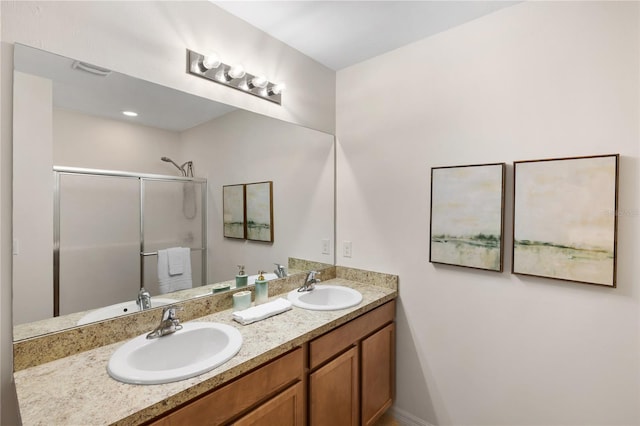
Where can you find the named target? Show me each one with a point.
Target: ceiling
(77, 90)
(335, 33)
(342, 33)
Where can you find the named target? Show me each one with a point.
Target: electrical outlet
(346, 249)
(326, 248)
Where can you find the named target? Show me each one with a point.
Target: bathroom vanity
(299, 367)
(344, 375)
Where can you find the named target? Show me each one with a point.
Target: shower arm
(188, 172)
(183, 172)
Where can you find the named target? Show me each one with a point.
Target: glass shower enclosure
(108, 228)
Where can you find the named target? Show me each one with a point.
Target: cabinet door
(284, 409)
(378, 374)
(333, 392)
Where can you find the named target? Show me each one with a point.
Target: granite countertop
(77, 390)
(51, 325)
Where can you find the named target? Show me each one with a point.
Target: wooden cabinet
(270, 388)
(284, 409)
(333, 391)
(378, 374)
(352, 378)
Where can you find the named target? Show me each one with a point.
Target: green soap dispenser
(262, 289)
(241, 278)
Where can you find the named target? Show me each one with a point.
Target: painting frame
(234, 211)
(565, 221)
(466, 226)
(259, 211)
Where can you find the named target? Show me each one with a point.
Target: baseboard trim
(407, 419)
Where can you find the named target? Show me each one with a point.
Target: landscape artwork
(233, 211)
(260, 211)
(467, 216)
(565, 219)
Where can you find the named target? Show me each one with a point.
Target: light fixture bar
(233, 76)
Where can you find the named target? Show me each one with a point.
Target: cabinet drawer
(232, 399)
(326, 346)
(284, 409)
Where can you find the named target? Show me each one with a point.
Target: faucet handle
(280, 271)
(169, 312)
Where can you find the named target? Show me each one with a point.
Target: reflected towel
(169, 283)
(177, 257)
(261, 312)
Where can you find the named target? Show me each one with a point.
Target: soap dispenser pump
(241, 278)
(262, 289)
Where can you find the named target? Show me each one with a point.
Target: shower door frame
(142, 177)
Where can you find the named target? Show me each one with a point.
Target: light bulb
(130, 113)
(236, 71)
(259, 81)
(277, 88)
(211, 60)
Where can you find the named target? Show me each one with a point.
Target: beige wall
(146, 40)
(536, 80)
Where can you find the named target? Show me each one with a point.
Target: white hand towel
(261, 312)
(168, 283)
(177, 256)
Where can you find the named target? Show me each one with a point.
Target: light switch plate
(346, 249)
(326, 246)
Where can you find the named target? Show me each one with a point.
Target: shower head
(169, 160)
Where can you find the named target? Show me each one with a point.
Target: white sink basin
(196, 349)
(325, 298)
(118, 309)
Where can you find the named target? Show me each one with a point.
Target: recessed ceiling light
(130, 113)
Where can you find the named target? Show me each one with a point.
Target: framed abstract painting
(233, 211)
(467, 216)
(260, 211)
(564, 219)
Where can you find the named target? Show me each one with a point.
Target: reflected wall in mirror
(64, 116)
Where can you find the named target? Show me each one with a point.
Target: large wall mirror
(91, 185)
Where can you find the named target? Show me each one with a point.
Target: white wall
(82, 140)
(536, 80)
(146, 40)
(8, 400)
(241, 147)
(33, 214)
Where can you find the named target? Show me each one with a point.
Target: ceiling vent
(91, 69)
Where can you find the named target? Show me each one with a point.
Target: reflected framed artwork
(467, 216)
(233, 208)
(565, 219)
(259, 198)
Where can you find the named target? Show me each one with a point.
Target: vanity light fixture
(210, 61)
(210, 66)
(130, 113)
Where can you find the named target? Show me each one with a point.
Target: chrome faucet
(169, 323)
(144, 299)
(310, 281)
(280, 271)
